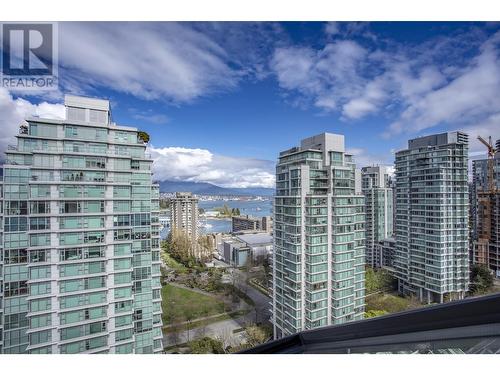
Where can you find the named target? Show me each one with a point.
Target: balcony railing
(468, 326)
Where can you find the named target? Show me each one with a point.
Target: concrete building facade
(184, 214)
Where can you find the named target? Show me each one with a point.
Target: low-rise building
(246, 222)
(247, 248)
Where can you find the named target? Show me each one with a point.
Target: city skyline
(370, 82)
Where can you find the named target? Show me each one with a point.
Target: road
(262, 302)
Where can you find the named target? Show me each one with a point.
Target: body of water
(251, 208)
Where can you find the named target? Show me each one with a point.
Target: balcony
(463, 327)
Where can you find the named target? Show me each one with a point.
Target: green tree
(374, 313)
(481, 279)
(377, 280)
(257, 334)
(143, 136)
(206, 345)
(180, 247)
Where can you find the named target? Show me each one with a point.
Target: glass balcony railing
(470, 326)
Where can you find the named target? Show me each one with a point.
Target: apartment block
(319, 238)
(80, 245)
(375, 185)
(432, 206)
(184, 214)
(246, 222)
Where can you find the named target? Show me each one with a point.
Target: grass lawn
(172, 263)
(180, 305)
(390, 303)
(204, 322)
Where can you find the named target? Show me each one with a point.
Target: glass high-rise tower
(432, 214)
(80, 255)
(319, 238)
(375, 184)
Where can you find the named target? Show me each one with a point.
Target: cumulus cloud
(450, 82)
(471, 97)
(201, 165)
(14, 111)
(326, 77)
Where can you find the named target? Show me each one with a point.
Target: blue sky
(220, 100)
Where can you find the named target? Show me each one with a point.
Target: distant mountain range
(205, 188)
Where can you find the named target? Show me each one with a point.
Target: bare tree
(175, 330)
(226, 336)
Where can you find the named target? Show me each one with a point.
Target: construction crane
(485, 197)
(491, 156)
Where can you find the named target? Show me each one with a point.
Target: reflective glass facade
(319, 238)
(80, 255)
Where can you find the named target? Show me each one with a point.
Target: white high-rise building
(432, 214)
(80, 248)
(319, 238)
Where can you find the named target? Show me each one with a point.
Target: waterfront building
(246, 222)
(184, 214)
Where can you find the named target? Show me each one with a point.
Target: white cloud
(14, 111)
(448, 82)
(374, 94)
(201, 165)
(327, 77)
(167, 61)
(471, 97)
(332, 28)
(488, 127)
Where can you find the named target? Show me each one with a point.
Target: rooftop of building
(438, 140)
(81, 102)
(256, 238)
(247, 217)
(184, 195)
(319, 142)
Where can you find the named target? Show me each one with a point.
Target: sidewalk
(200, 319)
